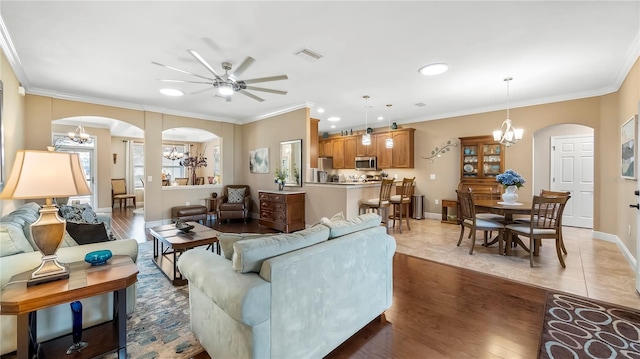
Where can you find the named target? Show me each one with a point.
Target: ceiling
(102, 52)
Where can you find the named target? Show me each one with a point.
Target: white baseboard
(625, 251)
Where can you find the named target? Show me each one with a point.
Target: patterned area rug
(577, 327)
(159, 328)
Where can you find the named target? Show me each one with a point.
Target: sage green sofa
(18, 255)
(297, 295)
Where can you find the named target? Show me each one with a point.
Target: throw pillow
(249, 254)
(67, 241)
(79, 213)
(236, 195)
(85, 233)
(341, 227)
(227, 240)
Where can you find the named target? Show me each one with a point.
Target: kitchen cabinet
(282, 210)
(337, 152)
(481, 160)
(362, 150)
(344, 149)
(402, 153)
(350, 146)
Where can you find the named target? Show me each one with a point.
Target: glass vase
(76, 317)
(280, 186)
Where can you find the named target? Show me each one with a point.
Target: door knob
(636, 206)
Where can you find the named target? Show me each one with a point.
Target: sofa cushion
(67, 240)
(231, 206)
(235, 195)
(341, 227)
(85, 233)
(227, 240)
(12, 236)
(249, 254)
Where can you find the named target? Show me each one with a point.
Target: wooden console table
(446, 205)
(282, 210)
(84, 281)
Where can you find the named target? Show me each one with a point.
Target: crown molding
(12, 56)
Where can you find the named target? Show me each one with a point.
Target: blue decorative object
(76, 317)
(98, 258)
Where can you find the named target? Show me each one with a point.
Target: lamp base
(48, 271)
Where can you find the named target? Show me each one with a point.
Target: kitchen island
(324, 199)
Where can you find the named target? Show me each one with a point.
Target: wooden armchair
(235, 202)
(119, 192)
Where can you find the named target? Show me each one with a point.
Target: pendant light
(389, 142)
(507, 135)
(366, 137)
(79, 136)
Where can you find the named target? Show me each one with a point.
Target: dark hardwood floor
(438, 311)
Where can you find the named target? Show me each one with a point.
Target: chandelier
(366, 137)
(173, 154)
(79, 135)
(507, 135)
(388, 143)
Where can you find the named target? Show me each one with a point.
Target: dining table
(508, 211)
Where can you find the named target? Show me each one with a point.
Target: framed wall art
(259, 160)
(628, 141)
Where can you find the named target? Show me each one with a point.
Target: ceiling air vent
(421, 104)
(308, 55)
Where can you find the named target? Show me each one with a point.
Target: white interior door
(572, 171)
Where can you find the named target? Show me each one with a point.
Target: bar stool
(401, 201)
(379, 204)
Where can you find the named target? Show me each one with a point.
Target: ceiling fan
(228, 83)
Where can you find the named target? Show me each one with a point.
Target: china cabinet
(481, 160)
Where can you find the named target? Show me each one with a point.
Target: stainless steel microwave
(369, 163)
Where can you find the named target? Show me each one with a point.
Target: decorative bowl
(183, 226)
(98, 258)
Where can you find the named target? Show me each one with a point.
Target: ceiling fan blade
(265, 79)
(279, 92)
(201, 91)
(205, 64)
(249, 94)
(190, 82)
(243, 66)
(183, 71)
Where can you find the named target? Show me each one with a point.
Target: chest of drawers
(281, 210)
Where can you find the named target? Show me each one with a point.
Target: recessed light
(333, 126)
(321, 110)
(433, 69)
(380, 118)
(171, 92)
(333, 119)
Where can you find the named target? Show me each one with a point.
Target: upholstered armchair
(234, 203)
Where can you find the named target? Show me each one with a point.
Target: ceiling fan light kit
(228, 83)
(507, 134)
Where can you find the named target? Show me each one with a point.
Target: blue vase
(76, 317)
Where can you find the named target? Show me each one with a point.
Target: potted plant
(192, 163)
(511, 180)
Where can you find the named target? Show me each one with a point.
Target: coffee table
(177, 242)
(84, 281)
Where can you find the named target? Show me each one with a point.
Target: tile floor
(595, 268)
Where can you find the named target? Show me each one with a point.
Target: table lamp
(48, 175)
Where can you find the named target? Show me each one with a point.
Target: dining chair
(468, 219)
(545, 222)
(182, 181)
(119, 192)
(379, 204)
(548, 193)
(401, 202)
(489, 193)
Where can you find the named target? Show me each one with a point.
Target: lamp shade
(43, 174)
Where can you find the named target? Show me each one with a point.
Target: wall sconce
(115, 158)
